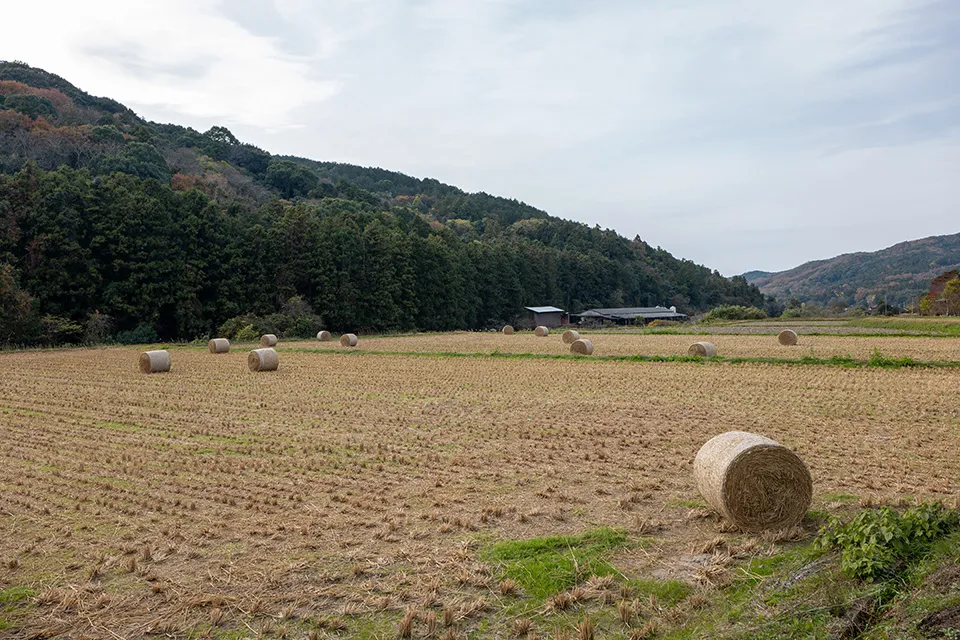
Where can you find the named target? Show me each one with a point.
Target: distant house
(628, 315)
(546, 316)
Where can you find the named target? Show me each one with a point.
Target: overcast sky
(742, 134)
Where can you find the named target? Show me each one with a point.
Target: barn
(628, 315)
(546, 317)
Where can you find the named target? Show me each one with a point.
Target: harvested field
(625, 344)
(344, 491)
(885, 325)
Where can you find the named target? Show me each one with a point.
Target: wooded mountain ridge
(155, 227)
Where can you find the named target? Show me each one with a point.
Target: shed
(629, 315)
(546, 316)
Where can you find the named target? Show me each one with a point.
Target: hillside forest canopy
(119, 228)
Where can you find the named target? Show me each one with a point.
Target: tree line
(119, 228)
(86, 256)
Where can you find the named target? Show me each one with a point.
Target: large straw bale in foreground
(324, 336)
(753, 481)
(268, 340)
(154, 361)
(570, 336)
(582, 346)
(703, 349)
(219, 345)
(787, 338)
(541, 332)
(349, 340)
(508, 330)
(263, 360)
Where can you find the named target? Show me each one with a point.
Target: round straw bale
(508, 330)
(268, 340)
(219, 345)
(349, 340)
(703, 349)
(263, 360)
(787, 337)
(570, 336)
(582, 346)
(541, 332)
(324, 336)
(752, 481)
(154, 361)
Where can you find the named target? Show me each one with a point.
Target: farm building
(629, 315)
(546, 316)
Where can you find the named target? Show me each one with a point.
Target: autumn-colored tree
(931, 303)
(951, 297)
(16, 307)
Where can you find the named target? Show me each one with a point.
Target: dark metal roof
(632, 313)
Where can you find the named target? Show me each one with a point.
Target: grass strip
(876, 361)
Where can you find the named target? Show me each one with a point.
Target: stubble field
(366, 495)
(925, 349)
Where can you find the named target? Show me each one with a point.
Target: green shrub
(30, 105)
(232, 327)
(663, 323)
(878, 542)
(143, 334)
(108, 133)
(248, 333)
(295, 320)
(59, 330)
(96, 330)
(734, 312)
(877, 359)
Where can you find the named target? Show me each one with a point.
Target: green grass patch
(840, 497)
(668, 593)
(13, 604)
(15, 595)
(877, 359)
(27, 413)
(118, 426)
(546, 566)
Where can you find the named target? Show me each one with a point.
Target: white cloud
(179, 56)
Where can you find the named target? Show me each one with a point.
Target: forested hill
(114, 225)
(899, 274)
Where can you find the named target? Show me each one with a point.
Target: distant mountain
(899, 274)
(750, 276)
